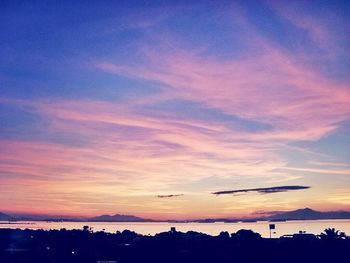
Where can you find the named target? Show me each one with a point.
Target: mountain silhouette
(118, 218)
(309, 214)
(300, 214)
(5, 217)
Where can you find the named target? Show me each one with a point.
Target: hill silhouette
(299, 214)
(309, 214)
(117, 218)
(5, 217)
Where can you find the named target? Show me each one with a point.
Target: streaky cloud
(265, 190)
(169, 196)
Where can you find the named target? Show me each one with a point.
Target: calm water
(282, 228)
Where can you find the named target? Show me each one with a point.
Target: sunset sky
(149, 107)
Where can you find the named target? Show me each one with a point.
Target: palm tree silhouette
(332, 234)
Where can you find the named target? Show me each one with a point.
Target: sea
(152, 228)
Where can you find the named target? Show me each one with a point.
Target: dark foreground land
(244, 246)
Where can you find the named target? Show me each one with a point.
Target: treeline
(125, 247)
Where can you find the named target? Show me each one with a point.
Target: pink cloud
(120, 162)
(128, 155)
(273, 88)
(324, 30)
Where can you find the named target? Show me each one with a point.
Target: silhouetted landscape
(309, 214)
(172, 246)
(300, 214)
(118, 218)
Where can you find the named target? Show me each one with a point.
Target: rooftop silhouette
(173, 246)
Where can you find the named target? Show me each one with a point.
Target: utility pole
(272, 227)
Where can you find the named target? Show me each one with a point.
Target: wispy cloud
(266, 190)
(236, 113)
(293, 98)
(169, 196)
(320, 171)
(126, 154)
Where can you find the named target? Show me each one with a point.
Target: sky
(172, 109)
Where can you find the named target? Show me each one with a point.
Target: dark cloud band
(267, 190)
(168, 196)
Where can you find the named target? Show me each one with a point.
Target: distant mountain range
(300, 214)
(5, 217)
(118, 218)
(309, 214)
(102, 218)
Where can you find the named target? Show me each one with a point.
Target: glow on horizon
(181, 100)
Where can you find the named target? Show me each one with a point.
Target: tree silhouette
(332, 234)
(87, 229)
(246, 234)
(224, 235)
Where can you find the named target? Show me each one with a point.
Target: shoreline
(152, 228)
